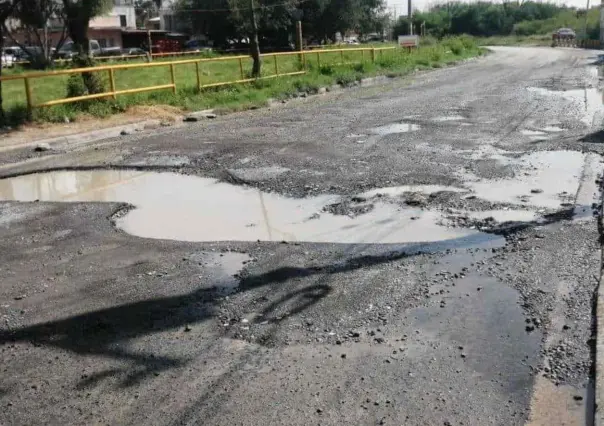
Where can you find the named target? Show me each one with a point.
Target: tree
(146, 9)
(35, 18)
(6, 10)
(78, 14)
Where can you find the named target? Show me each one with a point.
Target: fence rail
(303, 58)
(571, 42)
(123, 57)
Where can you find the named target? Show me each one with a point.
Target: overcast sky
(401, 5)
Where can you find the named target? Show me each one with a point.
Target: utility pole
(299, 42)
(601, 22)
(410, 14)
(254, 44)
(585, 23)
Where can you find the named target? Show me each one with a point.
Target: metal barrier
(303, 57)
(589, 44)
(572, 42)
(122, 57)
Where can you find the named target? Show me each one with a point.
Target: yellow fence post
(28, 95)
(114, 91)
(198, 76)
(241, 68)
(342, 56)
(173, 78)
(112, 83)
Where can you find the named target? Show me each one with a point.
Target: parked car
(67, 51)
(196, 46)
(15, 51)
(8, 60)
(566, 33)
(133, 51)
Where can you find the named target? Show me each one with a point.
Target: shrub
(76, 86)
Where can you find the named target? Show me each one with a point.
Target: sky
(401, 5)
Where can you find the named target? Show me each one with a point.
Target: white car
(8, 60)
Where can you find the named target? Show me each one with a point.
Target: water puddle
(541, 180)
(395, 128)
(188, 208)
(449, 118)
(502, 216)
(587, 102)
(527, 132)
(394, 191)
(553, 129)
(220, 269)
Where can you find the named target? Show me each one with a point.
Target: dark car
(134, 51)
(566, 33)
(196, 46)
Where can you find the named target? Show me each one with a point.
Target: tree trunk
(78, 31)
(254, 44)
(2, 116)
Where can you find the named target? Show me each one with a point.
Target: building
(167, 17)
(107, 29)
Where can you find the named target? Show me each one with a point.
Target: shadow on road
(103, 332)
(594, 137)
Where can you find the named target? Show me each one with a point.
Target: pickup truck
(67, 51)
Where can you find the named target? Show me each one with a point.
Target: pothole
(395, 128)
(587, 101)
(445, 118)
(188, 208)
(548, 179)
(553, 129)
(527, 132)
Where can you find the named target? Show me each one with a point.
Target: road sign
(408, 40)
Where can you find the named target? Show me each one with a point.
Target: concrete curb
(599, 351)
(86, 137)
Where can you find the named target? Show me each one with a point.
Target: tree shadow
(104, 332)
(594, 137)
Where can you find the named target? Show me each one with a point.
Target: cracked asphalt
(463, 292)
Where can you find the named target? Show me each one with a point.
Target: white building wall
(128, 12)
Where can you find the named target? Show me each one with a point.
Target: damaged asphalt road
(422, 252)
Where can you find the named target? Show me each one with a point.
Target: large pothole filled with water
(189, 208)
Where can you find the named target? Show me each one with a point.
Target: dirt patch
(37, 131)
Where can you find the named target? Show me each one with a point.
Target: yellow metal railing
(122, 57)
(303, 56)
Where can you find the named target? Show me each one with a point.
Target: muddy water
(395, 128)
(188, 208)
(542, 179)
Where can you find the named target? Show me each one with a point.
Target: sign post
(408, 41)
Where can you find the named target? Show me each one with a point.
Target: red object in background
(166, 45)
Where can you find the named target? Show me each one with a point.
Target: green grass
(329, 69)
